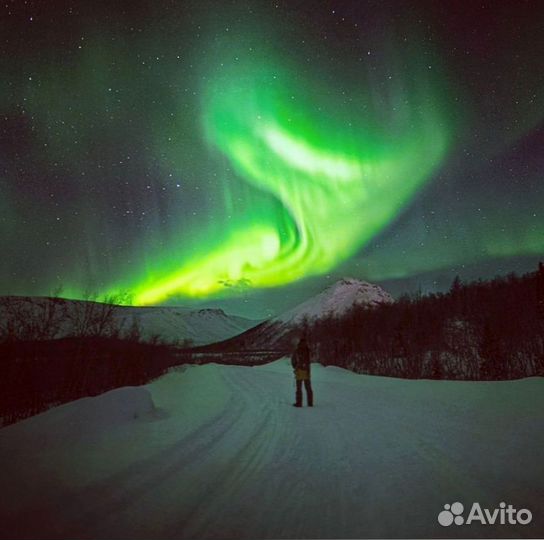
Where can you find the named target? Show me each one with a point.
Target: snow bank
(86, 418)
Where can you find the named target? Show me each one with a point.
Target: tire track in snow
(119, 492)
(251, 443)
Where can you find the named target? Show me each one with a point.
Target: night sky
(246, 154)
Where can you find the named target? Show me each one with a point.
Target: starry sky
(245, 154)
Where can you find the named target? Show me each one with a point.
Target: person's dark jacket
(301, 358)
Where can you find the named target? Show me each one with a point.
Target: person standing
(300, 360)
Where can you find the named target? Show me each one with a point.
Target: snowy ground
(218, 452)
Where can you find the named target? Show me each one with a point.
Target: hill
(30, 318)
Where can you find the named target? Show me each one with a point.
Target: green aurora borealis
(333, 178)
(197, 152)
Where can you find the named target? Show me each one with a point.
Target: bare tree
(93, 318)
(25, 319)
(134, 332)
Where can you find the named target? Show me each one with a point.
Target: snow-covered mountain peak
(337, 299)
(348, 281)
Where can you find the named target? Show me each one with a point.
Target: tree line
(483, 330)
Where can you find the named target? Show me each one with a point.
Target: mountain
(337, 300)
(44, 318)
(201, 326)
(280, 332)
(212, 329)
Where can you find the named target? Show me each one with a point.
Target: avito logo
(504, 515)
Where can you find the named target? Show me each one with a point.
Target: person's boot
(297, 405)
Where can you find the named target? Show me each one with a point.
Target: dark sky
(246, 154)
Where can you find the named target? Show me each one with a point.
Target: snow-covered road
(219, 452)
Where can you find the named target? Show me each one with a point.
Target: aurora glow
(335, 193)
(193, 152)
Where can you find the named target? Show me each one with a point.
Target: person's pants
(309, 392)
